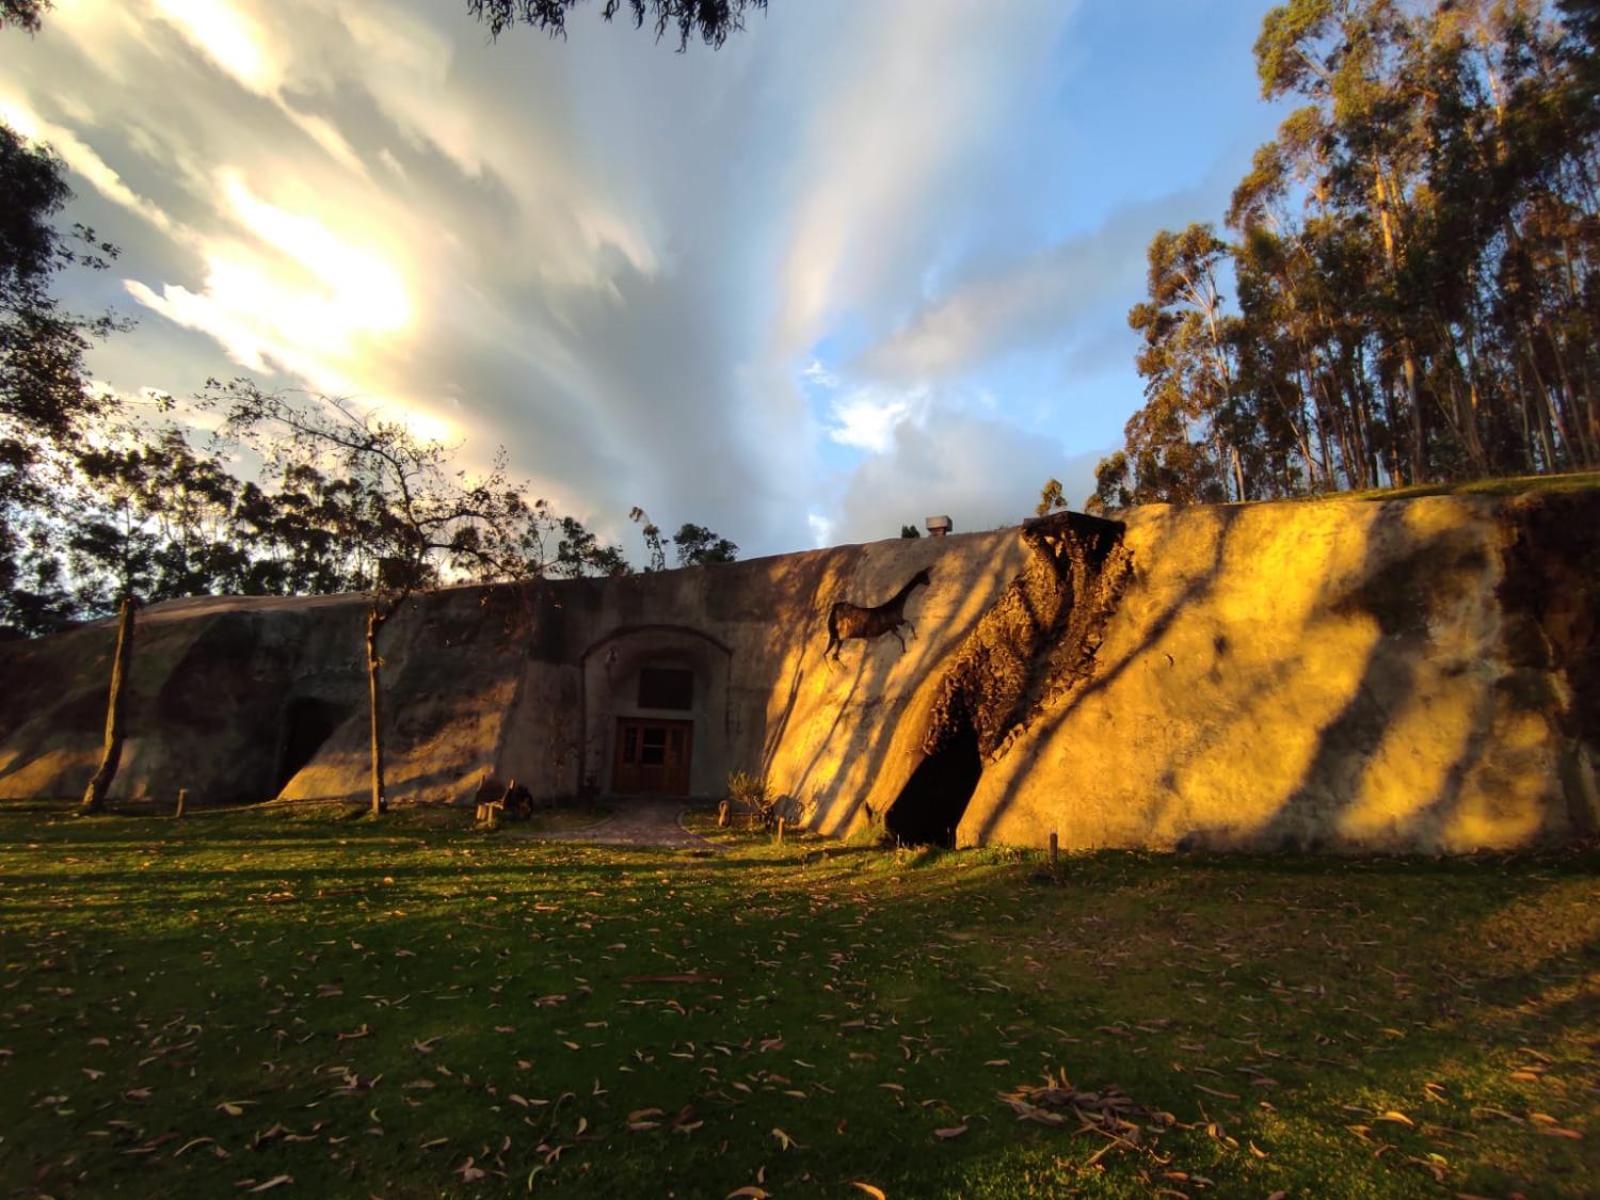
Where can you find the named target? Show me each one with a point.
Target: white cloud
(1030, 300)
(918, 96)
(867, 417)
(82, 158)
(984, 473)
(821, 529)
(231, 40)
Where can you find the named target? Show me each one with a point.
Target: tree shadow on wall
(1404, 584)
(1399, 593)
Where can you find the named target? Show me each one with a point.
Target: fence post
(183, 797)
(780, 831)
(1055, 856)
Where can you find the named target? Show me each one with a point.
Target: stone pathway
(634, 823)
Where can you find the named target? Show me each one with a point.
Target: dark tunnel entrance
(307, 724)
(931, 804)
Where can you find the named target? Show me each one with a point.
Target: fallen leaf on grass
(955, 1131)
(275, 1181)
(784, 1140)
(875, 1192)
(234, 1108)
(750, 1192)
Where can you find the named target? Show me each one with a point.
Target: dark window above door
(666, 687)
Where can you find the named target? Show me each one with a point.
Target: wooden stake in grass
(723, 816)
(94, 796)
(1055, 856)
(780, 831)
(183, 797)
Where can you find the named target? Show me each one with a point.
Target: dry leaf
(955, 1131)
(875, 1192)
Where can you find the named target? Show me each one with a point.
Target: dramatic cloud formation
(866, 263)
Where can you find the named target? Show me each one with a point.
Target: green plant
(751, 794)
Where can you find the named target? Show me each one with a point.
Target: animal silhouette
(846, 620)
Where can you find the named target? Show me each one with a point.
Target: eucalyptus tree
(1416, 259)
(1185, 363)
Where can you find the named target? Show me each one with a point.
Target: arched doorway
(656, 712)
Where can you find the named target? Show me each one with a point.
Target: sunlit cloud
(229, 38)
(362, 292)
(765, 288)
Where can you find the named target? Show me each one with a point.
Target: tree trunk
(380, 802)
(94, 796)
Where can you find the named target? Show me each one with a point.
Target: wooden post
(94, 796)
(723, 815)
(183, 796)
(780, 831)
(1055, 856)
(380, 802)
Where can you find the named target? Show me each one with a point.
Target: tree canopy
(712, 21)
(1414, 261)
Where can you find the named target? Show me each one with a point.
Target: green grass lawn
(291, 1003)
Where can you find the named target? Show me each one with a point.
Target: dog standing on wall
(846, 620)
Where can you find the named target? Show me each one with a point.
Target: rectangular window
(666, 687)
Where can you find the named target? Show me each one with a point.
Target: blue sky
(870, 261)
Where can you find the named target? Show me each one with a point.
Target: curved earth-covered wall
(1406, 675)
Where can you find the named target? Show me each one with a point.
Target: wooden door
(652, 757)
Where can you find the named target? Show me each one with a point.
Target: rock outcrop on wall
(1339, 675)
(1347, 674)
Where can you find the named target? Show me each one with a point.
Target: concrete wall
(1405, 675)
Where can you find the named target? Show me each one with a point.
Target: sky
(869, 262)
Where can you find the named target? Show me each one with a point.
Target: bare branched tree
(421, 522)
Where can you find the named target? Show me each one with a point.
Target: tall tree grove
(1415, 262)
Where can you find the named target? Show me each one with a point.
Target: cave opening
(934, 799)
(307, 724)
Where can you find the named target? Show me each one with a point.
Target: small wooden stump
(724, 815)
(1055, 856)
(780, 831)
(183, 798)
(489, 814)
